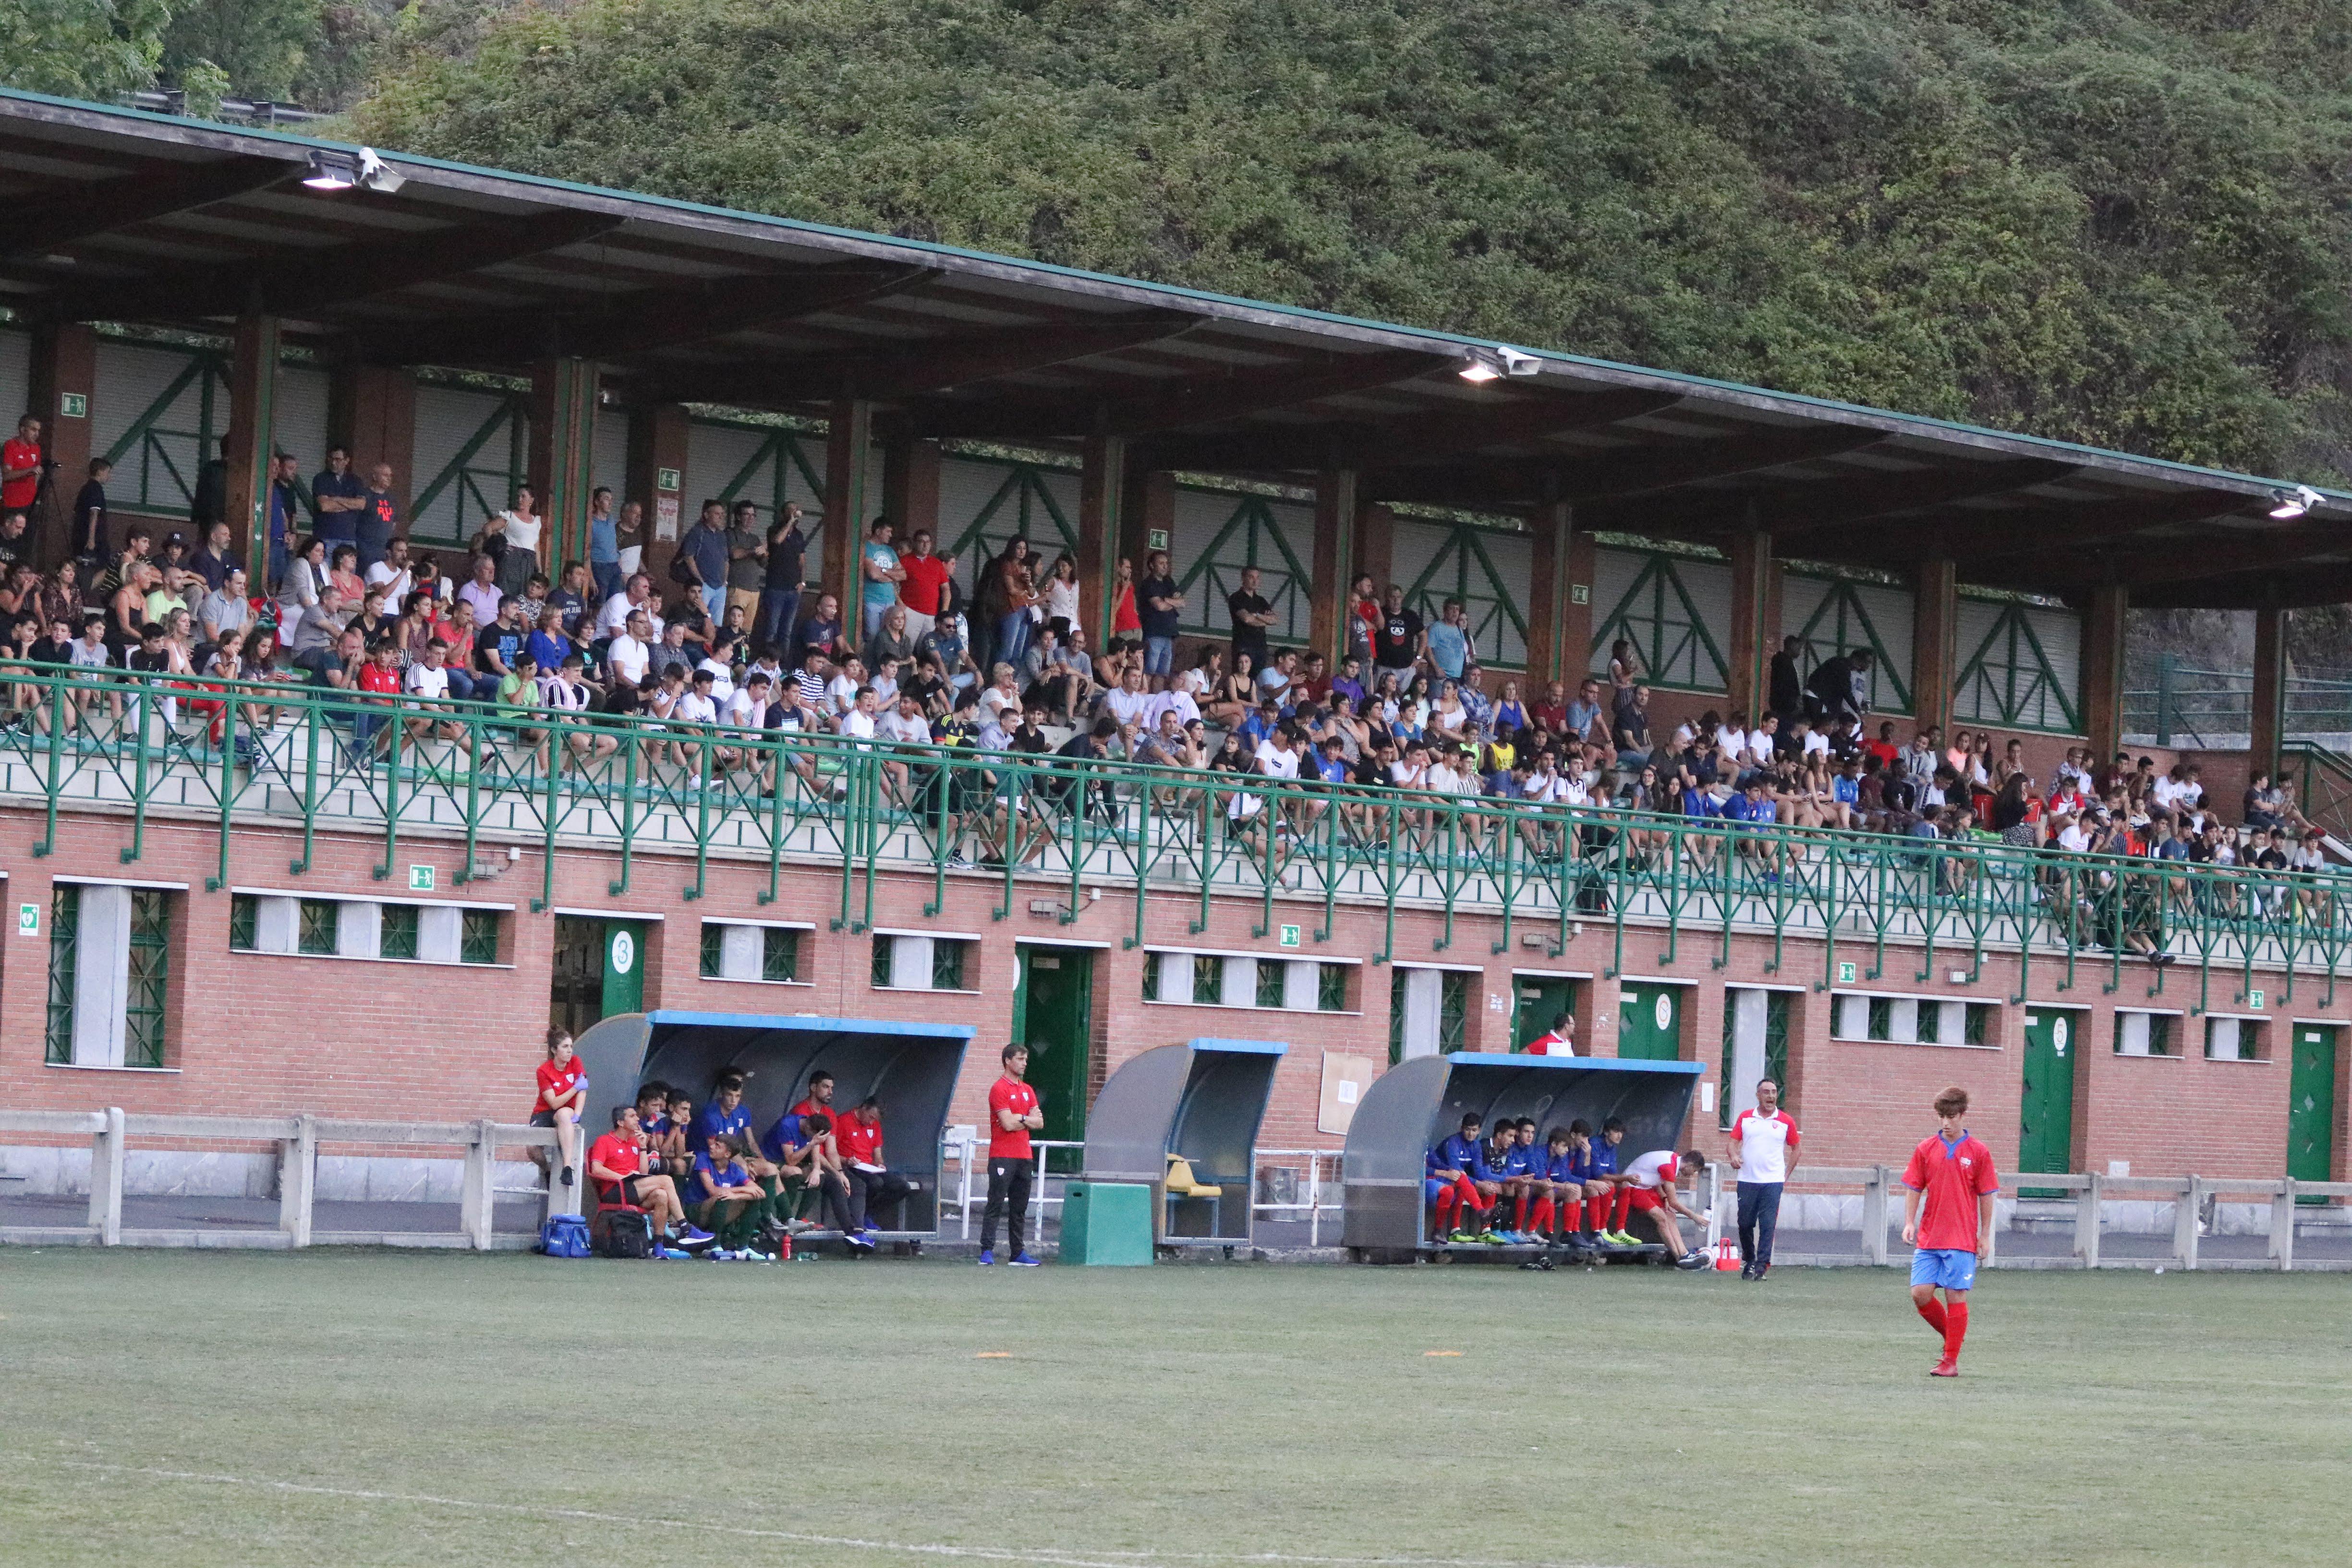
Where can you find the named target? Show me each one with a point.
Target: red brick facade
(258, 1034)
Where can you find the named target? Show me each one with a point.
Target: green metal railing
(2188, 706)
(837, 814)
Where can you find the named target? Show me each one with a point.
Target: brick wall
(263, 1034)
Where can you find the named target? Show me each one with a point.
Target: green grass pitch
(328, 1408)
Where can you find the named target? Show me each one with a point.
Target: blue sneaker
(986, 1258)
(1024, 1261)
(688, 1233)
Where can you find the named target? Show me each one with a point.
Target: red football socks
(1933, 1311)
(1956, 1329)
(1625, 1206)
(1572, 1215)
(1543, 1214)
(1445, 1205)
(1519, 1212)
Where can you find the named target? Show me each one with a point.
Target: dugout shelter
(910, 1068)
(1201, 1102)
(1413, 1105)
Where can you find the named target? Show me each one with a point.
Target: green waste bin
(1106, 1223)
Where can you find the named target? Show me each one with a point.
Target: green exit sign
(1156, 538)
(74, 405)
(666, 480)
(1290, 936)
(1845, 973)
(1580, 593)
(420, 879)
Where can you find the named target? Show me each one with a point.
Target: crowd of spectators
(738, 644)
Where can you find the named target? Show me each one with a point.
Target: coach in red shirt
(1012, 1115)
(1947, 1205)
(873, 1185)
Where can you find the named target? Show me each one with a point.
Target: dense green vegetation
(2119, 221)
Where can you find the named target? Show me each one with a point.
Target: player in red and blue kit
(1608, 1196)
(1512, 1165)
(1459, 1167)
(1558, 1213)
(1947, 1207)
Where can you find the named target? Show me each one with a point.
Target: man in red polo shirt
(1012, 1115)
(1559, 1040)
(927, 578)
(615, 1167)
(20, 465)
(1951, 1177)
(873, 1185)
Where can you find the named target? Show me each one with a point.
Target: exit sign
(666, 480)
(1156, 538)
(74, 405)
(420, 879)
(1580, 593)
(2253, 998)
(1290, 938)
(1845, 973)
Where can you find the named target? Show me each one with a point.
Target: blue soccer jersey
(1467, 1155)
(1600, 1158)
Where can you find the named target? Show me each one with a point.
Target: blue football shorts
(1946, 1269)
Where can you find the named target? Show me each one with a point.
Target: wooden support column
(1102, 496)
(371, 409)
(2270, 691)
(1576, 611)
(64, 383)
(252, 419)
(848, 444)
(1335, 568)
(1375, 549)
(1755, 602)
(656, 476)
(1547, 595)
(1148, 520)
(562, 462)
(2103, 670)
(1935, 643)
(910, 489)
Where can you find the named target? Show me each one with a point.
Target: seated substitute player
(1606, 1203)
(614, 1169)
(1463, 1159)
(1560, 1212)
(1515, 1166)
(1649, 1189)
(1450, 1191)
(726, 1201)
(1532, 1219)
(1951, 1178)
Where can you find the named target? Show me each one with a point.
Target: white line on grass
(1054, 1556)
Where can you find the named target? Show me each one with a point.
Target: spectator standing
(519, 527)
(1401, 638)
(700, 563)
(1449, 641)
(881, 575)
(337, 499)
(378, 522)
(779, 598)
(747, 561)
(1013, 1116)
(1787, 686)
(603, 543)
(1559, 1040)
(20, 466)
(285, 501)
(924, 592)
(1251, 615)
(90, 514)
(1160, 605)
(1764, 1144)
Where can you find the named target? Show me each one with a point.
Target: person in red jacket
(1947, 1207)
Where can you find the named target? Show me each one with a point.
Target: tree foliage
(80, 48)
(258, 45)
(2120, 222)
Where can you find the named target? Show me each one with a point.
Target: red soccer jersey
(15, 454)
(860, 1139)
(1009, 1094)
(381, 679)
(925, 576)
(559, 1080)
(617, 1152)
(1953, 1175)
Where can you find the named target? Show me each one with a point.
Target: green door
(1053, 1015)
(2045, 1137)
(1539, 1002)
(2311, 1107)
(600, 970)
(1650, 1022)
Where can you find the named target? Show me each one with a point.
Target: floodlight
(332, 171)
(378, 175)
(2287, 503)
(1482, 365)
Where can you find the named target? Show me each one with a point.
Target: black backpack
(621, 1233)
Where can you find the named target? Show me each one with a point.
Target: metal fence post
(2281, 1247)
(298, 1166)
(473, 1199)
(2184, 1223)
(1874, 1216)
(2165, 665)
(2086, 1220)
(106, 1178)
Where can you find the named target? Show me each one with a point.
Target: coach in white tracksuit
(1764, 1144)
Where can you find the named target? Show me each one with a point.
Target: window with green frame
(160, 451)
(317, 936)
(1331, 987)
(1151, 977)
(1272, 975)
(1840, 620)
(714, 943)
(1208, 977)
(1396, 1016)
(884, 949)
(1659, 612)
(396, 937)
(1023, 504)
(151, 963)
(1453, 1010)
(65, 931)
(1251, 535)
(1462, 565)
(244, 922)
(1776, 1051)
(780, 954)
(2020, 668)
(478, 937)
(948, 963)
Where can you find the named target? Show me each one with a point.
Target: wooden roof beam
(1642, 471)
(1205, 399)
(1428, 439)
(317, 281)
(632, 325)
(2043, 533)
(911, 369)
(153, 189)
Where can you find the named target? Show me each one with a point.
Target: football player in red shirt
(1012, 1115)
(1951, 1177)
